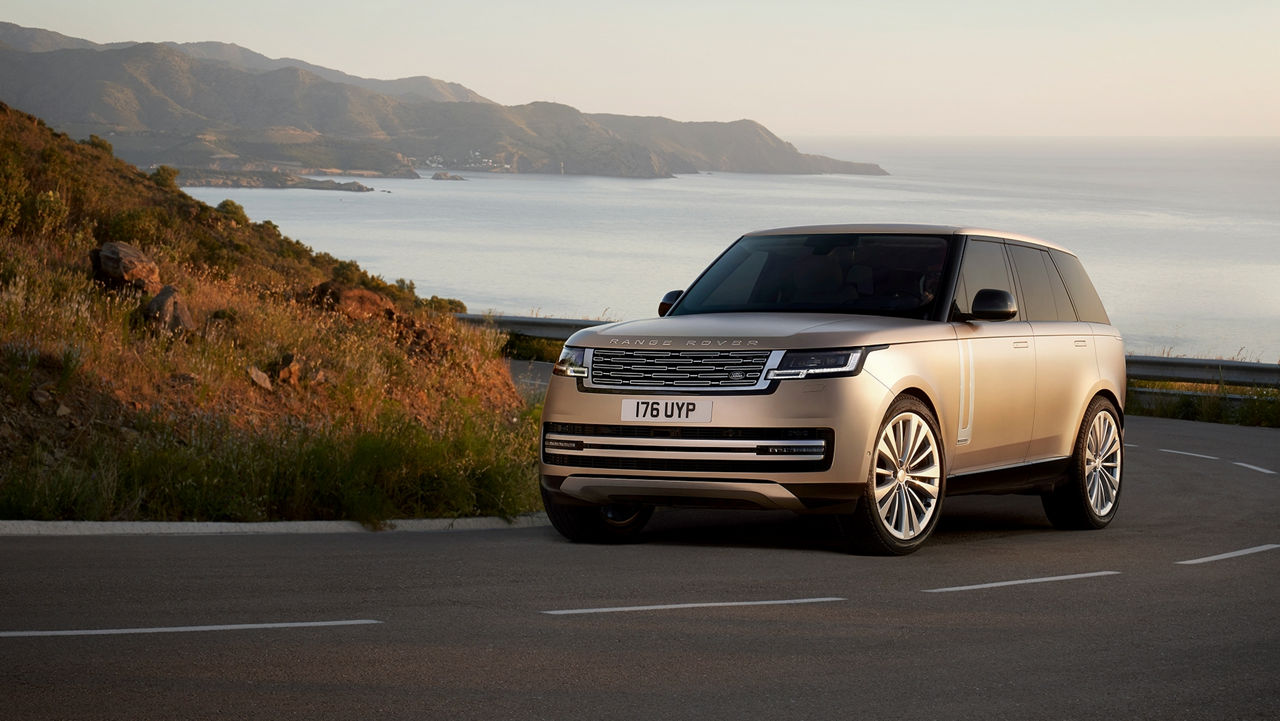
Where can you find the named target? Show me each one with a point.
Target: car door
(1066, 363)
(997, 368)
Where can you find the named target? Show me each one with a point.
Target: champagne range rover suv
(867, 371)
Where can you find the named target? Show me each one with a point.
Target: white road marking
(1024, 581)
(1251, 467)
(1193, 455)
(674, 606)
(182, 629)
(1233, 554)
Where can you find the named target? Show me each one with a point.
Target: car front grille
(673, 448)
(678, 369)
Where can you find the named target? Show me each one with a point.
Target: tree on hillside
(165, 177)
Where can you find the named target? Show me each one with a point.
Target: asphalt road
(454, 624)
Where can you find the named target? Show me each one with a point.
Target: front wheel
(612, 523)
(1089, 495)
(902, 497)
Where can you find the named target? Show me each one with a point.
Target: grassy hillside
(399, 413)
(741, 146)
(35, 40)
(227, 108)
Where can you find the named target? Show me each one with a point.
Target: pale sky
(801, 67)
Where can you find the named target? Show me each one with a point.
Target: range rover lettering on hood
(685, 342)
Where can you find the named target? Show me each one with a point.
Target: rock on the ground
(121, 264)
(168, 312)
(353, 302)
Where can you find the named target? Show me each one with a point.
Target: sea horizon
(1178, 233)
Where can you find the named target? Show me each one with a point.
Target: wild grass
(212, 470)
(171, 428)
(522, 347)
(1241, 405)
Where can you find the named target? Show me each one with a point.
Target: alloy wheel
(1103, 450)
(907, 476)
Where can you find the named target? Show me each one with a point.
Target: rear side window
(1061, 298)
(1083, 295)
(984, 267)
(1033, 277)
(1043, 291)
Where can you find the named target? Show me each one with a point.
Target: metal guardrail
(1200, 370)
(1143, 368)
(553, 328)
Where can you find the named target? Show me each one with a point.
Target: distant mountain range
(220, 106)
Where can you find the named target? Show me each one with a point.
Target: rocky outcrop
(167, 312)
(121, 265)
(425, 338)
(356, 303)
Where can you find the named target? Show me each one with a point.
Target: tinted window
(896, 275)
(1033, 278)
(1087, 303)
(983, 267)
(1060, 297)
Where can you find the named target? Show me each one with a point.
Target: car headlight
(808, 363)
(572, 363)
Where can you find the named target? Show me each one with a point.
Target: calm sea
(1182, 237)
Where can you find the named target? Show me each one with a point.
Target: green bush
(235, 211)
(165, 177)
(96, 142)
(13, 188)
(49, 213)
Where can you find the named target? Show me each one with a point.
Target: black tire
(902, 496)
(613, 523)
(1088, 496)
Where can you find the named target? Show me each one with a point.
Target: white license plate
(666, 411)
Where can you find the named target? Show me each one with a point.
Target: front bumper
(804, 446)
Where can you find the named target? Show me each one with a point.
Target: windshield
(895, 275)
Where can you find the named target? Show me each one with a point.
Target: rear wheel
(612, 523)
(902, 497)
(1089, 495)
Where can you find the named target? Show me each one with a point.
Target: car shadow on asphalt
(742, 529)
(965, 520)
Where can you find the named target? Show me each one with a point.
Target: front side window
(984, 267)
(894, 275)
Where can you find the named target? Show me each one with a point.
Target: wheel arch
(946, 435)
(1115, 403)
(1106, 393)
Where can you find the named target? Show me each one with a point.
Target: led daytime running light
(572, 363)
(804, 364)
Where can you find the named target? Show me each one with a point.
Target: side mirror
(668, 300)
(991, 304)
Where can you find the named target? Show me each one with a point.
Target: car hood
(772, 331)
